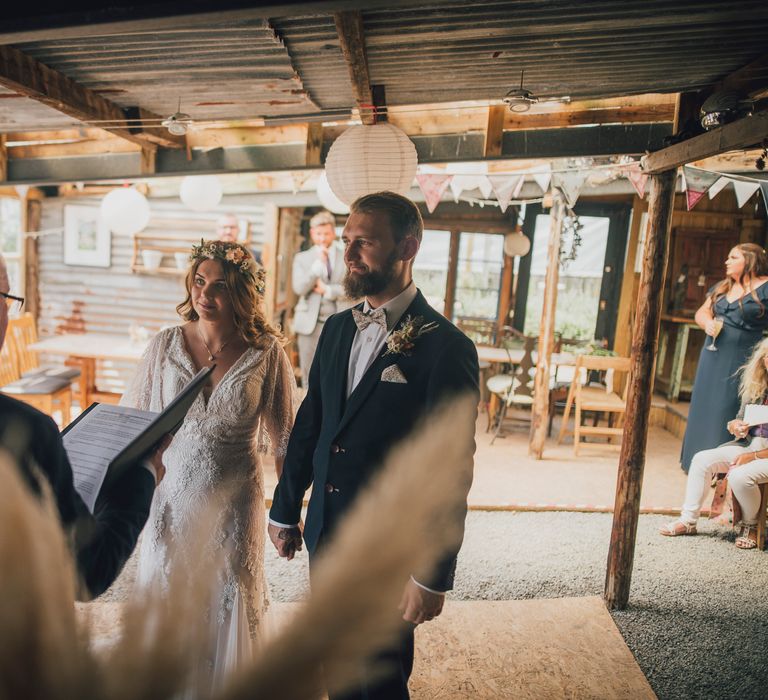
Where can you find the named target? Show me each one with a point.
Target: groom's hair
(404, 216)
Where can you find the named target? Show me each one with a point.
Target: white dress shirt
(368, 344)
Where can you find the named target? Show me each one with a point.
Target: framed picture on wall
(87, 239)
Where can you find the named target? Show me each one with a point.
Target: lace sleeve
(278, 401)
(138, 393)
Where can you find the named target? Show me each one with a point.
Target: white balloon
(327, 198)
(201, 192)
(125, 211)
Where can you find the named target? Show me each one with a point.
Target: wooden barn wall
(719, 214)
(113, 299)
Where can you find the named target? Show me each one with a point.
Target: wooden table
(85, 349)
(514, 356)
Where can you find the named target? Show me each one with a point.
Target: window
(12, 243)
(578, 289)
(478, 279)
(430, 269)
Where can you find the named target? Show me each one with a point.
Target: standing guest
(102, 541)
(746, 457)
(734, 312)
(228, 231)
(228, 228)
(216, 453)
(379, 369)
(317, 280)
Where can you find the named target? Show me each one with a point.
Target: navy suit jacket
(338, 443)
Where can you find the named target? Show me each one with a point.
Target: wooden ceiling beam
(741, 134)
(749, 80)
(494, 131)
(349, 26)
(30, 78)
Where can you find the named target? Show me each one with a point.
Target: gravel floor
(698, 617)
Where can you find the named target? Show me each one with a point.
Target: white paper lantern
(327, 198)
(516, 244)
(201, 192)
(125, 211)
(366, 159)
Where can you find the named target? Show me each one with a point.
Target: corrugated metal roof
(230, 70)
(585, 50)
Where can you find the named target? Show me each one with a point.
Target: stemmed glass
(718, 321)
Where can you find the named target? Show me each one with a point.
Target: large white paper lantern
(125, 211)
(327, 198)
(366, 159)
(201, 192)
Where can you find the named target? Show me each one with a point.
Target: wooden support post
(3, 158)
(148, 160)
(30, 221)
(494, 131)
(644, 340)
(453, 265)
(540, 410)
(314, 143)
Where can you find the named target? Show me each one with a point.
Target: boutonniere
(401, 341)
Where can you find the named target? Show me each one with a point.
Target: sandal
(677, 528)
(744, 541)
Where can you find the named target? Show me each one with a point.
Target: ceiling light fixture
(520, 99)
(178, 124)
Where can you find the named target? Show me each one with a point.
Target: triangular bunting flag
(718, 187)
(505, 187)
(570, 184)
(697, 182)
(542, 175)
(460, 183)
(638, 179)
(21, 190)
(744, 190)
(433, 187)
(298, 178)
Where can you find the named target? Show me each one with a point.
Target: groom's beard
(372, 283)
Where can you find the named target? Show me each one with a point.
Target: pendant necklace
(212, 355)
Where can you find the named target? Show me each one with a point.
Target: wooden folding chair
(598, 399)
(37, 389)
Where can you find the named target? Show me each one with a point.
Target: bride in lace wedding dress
(246, 412)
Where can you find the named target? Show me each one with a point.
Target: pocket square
(393, 374)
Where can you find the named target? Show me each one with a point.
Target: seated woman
(746, 457)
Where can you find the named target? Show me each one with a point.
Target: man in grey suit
(317, 279)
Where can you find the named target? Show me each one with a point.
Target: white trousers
(744, 480)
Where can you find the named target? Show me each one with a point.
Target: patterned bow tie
(376, 316)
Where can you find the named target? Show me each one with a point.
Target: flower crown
(236, 255)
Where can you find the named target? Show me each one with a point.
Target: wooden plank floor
(550, 648)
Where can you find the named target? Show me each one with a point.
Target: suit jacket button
(329, 488)
(335, 449)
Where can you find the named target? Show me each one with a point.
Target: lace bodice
(216, 453)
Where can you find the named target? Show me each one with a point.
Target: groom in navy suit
(361, 400)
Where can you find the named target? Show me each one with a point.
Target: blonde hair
(250, 321)
(755, 265)
(754, 376)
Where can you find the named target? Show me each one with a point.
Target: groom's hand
(420, 605)
(287, 540)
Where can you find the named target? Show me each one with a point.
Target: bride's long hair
(754, 375)
(247, 302)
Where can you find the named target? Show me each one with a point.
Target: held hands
(738, 428)
(319, 287)
(287, 540)
(156, 458)
(419, 605)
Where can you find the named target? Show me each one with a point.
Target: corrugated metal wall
(111, 300)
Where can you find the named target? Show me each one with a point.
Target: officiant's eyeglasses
(14, 303)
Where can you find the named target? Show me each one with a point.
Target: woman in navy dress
(741, 302)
